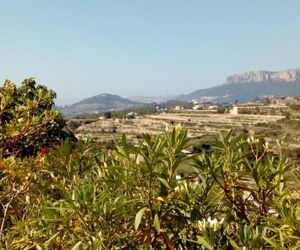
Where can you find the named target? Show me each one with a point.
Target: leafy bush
(86, 197)
(28, 120)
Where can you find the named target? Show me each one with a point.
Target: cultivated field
(197, 123)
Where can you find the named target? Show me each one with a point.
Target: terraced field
(197, 123)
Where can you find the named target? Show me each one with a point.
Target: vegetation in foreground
(83, 197)
(79, 195)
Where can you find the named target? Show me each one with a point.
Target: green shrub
(28, 120)
(86, 197)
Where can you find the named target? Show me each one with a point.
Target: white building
(234, 110)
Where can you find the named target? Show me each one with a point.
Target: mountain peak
(262, 76)
(249, 85)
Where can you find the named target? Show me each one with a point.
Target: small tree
(107, 115)
(28, 121)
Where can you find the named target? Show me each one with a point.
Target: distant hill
(242, 87)
(249, 85)
(99, 103)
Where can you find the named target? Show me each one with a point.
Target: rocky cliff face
(263, 76)
(247, 86)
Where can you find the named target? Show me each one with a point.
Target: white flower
(212, 222)
(178, 177)
(273, 212)
(195, 183)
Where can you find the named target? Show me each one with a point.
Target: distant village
(284, 106)
(267, 106)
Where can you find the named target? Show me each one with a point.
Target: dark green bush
(28, 120)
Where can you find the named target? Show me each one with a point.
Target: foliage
(85, 197)
(27, 118)
(107, 115)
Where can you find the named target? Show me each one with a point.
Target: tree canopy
(28, 119)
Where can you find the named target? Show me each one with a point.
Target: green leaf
(295, 247)
(234, 245)
(47, 243)
(163, 181)
(76, 245)
(38, 247)
(156, 223)
(138, 217)
(203, 241)
(272, 243)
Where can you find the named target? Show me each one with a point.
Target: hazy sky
(138, 47)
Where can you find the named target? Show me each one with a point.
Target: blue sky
(139, 47)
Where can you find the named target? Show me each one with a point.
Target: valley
(198, 125)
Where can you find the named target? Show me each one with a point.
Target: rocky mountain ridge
(249, 85)
(261, 76)
(243, 87)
